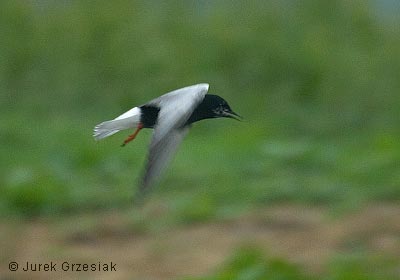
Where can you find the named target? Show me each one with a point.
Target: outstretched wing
(160, 155)
(169, 131)
(176, 108)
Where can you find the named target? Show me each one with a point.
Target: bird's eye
(219, 110)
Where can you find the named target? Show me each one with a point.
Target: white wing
(176, 108)
(160, 155)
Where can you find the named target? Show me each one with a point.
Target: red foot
(132, 136)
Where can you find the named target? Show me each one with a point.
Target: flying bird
(171, 116)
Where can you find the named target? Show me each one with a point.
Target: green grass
(250, 264)
(317, 85)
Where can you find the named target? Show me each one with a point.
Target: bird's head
(220, 108)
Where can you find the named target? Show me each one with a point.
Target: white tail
(127, 120)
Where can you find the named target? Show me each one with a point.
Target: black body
(212, 106)
(149, 115)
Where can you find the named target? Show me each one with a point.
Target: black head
(212, 106)
(219, 108)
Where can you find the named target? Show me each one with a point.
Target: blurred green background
(316, 81)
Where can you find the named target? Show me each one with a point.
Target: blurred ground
(316, 81)
(309, 237)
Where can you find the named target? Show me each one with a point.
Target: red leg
(132, 136)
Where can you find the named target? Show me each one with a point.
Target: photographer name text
(62, 266)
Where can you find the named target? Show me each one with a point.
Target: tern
(170, 115)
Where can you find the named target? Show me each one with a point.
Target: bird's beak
(232, 115)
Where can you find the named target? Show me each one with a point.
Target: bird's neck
(200, 113)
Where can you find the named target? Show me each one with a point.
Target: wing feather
(169, 131)
(176, 108)
(159, 156)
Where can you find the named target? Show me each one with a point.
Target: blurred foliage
(251, 264)
(317, 83)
